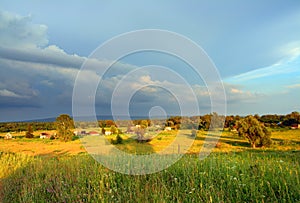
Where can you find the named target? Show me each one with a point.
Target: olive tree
(29, 133)
(64, 126)
(254, 131)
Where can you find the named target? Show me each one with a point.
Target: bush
(113, 129)
(254, 131)
(118, 140)
(74, 137)
(29, 133)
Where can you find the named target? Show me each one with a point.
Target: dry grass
(283, 141)
(40, 147)
(270, 175)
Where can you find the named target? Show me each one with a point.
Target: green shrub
(75, 137)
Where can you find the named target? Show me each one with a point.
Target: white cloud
(19, 31)
(287, 65)
(7, 93)
(236, 91)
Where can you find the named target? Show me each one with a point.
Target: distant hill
(87, 118)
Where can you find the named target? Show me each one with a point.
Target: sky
(255, 46)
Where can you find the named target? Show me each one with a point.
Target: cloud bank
(37, 79)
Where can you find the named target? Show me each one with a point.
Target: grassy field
(228, 142)
(36, 170)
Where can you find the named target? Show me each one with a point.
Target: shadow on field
(234, 141)
(286, 141)
(133, 147)
(240, 143)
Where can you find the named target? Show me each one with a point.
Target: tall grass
(10, 162)
(249, 176)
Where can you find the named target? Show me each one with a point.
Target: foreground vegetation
(249, 176)
(43, 170)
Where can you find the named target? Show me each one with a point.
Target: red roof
(93, 132)
(45, 134)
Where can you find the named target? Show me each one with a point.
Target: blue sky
(254, 44)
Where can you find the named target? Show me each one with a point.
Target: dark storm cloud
(50, 55)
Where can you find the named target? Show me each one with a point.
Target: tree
(64, 126)
(29, 133)
(113, 129)
(109, 123)
(292, 118)
(174, 122)
(204, 122)
(103, 131)
(144, 124)
(255, 132)
(119, 139)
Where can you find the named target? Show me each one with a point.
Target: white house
(45, 135)
(8, 136)
(168, 128)
(295, 126)
(107, 132)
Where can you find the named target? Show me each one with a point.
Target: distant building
(168, 128)
(94, 133)
(8, 136)
(45, 135)
(295, 126)
(107, 132)
(79, 132)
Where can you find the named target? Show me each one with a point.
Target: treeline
(281, 120)
(205, 122)
(23, 126)
(175, 122)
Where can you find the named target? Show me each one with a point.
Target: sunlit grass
(10, 162)
(228, 142)
(37, 147)
(232, 173)
(249, 176)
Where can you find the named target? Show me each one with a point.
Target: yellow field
(39, 147)
(282, 140)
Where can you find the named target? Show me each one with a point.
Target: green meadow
(232, 173)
